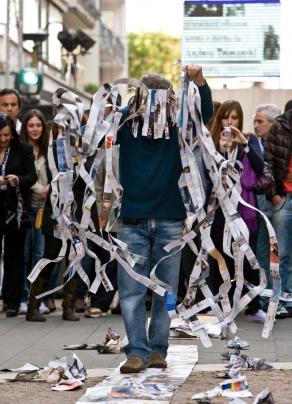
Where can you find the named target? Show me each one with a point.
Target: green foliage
(90, 88)
(154, 52)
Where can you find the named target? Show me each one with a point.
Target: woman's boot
(68, 300)
(36, 288)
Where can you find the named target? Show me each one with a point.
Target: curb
(217, 367)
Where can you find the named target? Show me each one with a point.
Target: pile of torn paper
(57, 373)
(236, 386)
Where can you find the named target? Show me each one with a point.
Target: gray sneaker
(281, 311)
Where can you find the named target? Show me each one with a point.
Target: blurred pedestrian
(264, 118)
(278, 154)
(53, 244)
(33, 131)
(17, 175)
(101, 300)
(10, 103)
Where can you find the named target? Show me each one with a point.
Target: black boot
(36, 288)
(68, 300)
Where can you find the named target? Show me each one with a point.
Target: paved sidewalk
(22, 341)
(38, 343)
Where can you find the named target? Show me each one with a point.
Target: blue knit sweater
(150, 170)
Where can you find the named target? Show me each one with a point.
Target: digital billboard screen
(232, 38)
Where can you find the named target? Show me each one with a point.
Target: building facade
(91, 50)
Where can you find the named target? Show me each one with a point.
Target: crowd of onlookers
(27, 226)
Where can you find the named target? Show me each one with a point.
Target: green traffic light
(28, 81)
(30, 78)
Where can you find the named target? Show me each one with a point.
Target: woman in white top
(34, 132)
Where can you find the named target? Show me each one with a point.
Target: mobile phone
(228, 132)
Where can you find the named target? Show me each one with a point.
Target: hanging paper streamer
(74, 157)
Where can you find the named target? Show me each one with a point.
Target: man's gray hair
(155, 81)
(272, 111)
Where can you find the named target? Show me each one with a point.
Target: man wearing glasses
(10, 103)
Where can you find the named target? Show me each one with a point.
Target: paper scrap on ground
(155, 385)
(179, 328)
(264, 397)
(57, 372)
(66, 385)
(25, 368)
(111, 344)
(237, 343)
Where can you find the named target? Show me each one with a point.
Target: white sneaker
(43, 309)
(22, 308)
(258, 317)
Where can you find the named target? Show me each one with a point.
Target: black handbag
(264, 181)
(12, 223)
(18, 218)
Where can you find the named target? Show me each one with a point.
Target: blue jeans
(33, 249)
(147, 238)
(282, 221)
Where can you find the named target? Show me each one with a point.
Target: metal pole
(20, 32)
(7, 70)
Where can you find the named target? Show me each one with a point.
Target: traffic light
(28, 81)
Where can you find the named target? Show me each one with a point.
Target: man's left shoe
(157, 361)
(133, 364)
(258, 317)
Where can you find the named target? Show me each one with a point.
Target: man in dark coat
(278, 154)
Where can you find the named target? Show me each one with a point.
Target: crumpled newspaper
(69, 384)
(248, 363)
(237, 343)
(239, 361)
(206, 397)
(26, 376)
(56, 372)
(111, 344)
(264, 397)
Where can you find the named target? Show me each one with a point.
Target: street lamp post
(20, 32)
(7, 30)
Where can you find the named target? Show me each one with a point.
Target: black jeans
(13, 253)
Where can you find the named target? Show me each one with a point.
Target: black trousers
(215, 280)
(51, 251)
(13, 276)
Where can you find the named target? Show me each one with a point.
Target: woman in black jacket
(17, 175)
